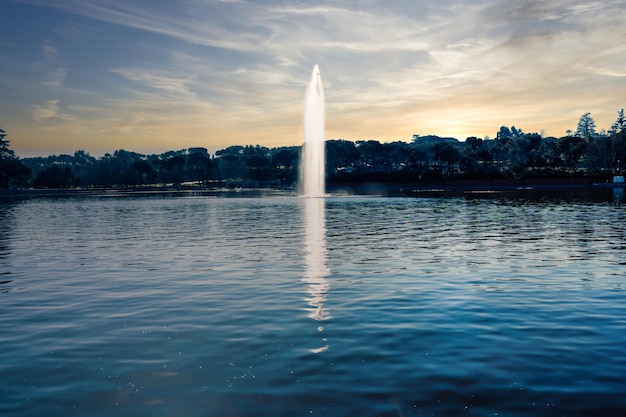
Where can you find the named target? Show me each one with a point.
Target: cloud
(171, 82)
(49, 52)
(43, 112)
(610, 73)
(50, 111)
(56, 77)
(201, 23)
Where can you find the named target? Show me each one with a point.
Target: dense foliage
(512, 154)
(238, 165)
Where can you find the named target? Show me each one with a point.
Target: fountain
(311, 182)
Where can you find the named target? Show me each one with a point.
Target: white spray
(312, 182)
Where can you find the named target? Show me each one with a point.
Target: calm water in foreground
(508, 304)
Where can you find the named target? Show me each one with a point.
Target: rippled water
(278, 306)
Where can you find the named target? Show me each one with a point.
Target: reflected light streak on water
(315, 261)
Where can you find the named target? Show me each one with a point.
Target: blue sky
(151, 76)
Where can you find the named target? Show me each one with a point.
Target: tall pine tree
(586, 127)
(12, 170)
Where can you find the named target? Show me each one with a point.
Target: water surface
(467, 304)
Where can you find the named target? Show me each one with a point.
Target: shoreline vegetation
(513, 158)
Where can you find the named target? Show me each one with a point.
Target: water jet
(311, 173)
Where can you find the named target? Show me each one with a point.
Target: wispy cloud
(201, 23)
(49, 52)
(159, 79)
(56, 77)
(50, 110)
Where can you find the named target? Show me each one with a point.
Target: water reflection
(618, 195)
(6, 226)
(315, 261)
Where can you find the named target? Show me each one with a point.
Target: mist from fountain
(312, 176)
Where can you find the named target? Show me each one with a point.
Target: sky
(152, 75)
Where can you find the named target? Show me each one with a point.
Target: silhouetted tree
(285, 162)
(174, 169)
(445, 152)
(571, 148)
(341, 156)
(504, 132)
(55, 176)
(199, 165)
(619, 126)
(82, 167)
(600, 155)
(231, 163)
(586, 126)
(398, 155)
(12, 170)
(469, 158)
(143, 168)
(370, 155)
(549, 153)
(259, 167)
(419, 159)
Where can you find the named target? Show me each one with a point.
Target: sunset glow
(152, 76)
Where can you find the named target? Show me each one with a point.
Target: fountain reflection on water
(315, 261)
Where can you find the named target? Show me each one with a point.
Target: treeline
(241, 165)
(512, 154)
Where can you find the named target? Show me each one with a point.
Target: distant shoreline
(366, 187)
(475, 184)
(130, 191)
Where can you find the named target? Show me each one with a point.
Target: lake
(447, 303)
